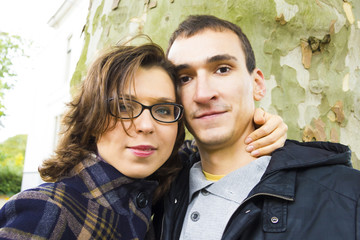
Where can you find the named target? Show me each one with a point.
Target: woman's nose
(145, 122)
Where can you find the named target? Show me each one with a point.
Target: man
(307, 190)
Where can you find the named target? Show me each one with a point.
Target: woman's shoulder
(47, 197)
(188, 153)
(33, 193)
(188, 148)
(35, 200)
(24, 213)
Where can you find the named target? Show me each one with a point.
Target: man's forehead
(205, 46)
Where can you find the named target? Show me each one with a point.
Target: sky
(28, 19)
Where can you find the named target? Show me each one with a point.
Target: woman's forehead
(151, 84)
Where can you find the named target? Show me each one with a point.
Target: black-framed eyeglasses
(162, 112)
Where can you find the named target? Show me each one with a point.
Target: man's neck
(222, 161)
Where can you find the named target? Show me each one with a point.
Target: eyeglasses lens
(166, 112)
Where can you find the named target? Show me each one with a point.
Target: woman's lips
(142, 150)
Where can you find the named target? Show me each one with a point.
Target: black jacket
(309, 191)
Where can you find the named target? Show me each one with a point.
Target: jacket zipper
(162, 226)
(258, 194)
(267, 194)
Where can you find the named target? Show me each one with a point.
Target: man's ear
(259, 88)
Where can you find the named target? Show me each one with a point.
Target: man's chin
(212, 139)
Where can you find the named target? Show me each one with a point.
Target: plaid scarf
(94, 202)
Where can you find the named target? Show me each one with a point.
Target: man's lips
(142, 150)
(210, 111)
(208, 114)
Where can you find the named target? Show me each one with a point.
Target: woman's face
(150, 142)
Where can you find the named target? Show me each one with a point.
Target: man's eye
(184, 79)
(222, 70)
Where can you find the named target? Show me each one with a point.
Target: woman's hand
(270, 135)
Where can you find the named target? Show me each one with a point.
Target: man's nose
(204, 89)
(145, 122)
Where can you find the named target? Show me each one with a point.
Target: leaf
(10, 47)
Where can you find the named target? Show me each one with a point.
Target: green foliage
(12, 154)
(10, 47)
(10, 181)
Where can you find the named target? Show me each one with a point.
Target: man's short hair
(197, 23)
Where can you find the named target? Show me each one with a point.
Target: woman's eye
(222, 70)
(125, 107)
(163, 111)
(122, 108)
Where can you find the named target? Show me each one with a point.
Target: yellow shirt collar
(212, 177)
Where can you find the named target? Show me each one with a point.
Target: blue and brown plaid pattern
(94, 202)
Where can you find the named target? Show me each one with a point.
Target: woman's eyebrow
(127, 96)
(164, 99)
(155, 99)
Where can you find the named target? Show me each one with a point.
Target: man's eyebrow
(216, 58)
(181, 67)
(220, 57)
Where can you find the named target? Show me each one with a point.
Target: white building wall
(55, 67)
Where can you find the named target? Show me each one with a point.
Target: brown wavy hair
(88, 114)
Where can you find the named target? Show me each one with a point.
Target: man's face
(216, 89)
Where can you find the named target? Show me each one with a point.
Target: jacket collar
(295, 155)
(104, 184)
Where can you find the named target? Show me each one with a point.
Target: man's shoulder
(309, 154)
(323, 166)
(337, 178)
(317, 145)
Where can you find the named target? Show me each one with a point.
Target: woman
(116, 157)
(119, 130)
